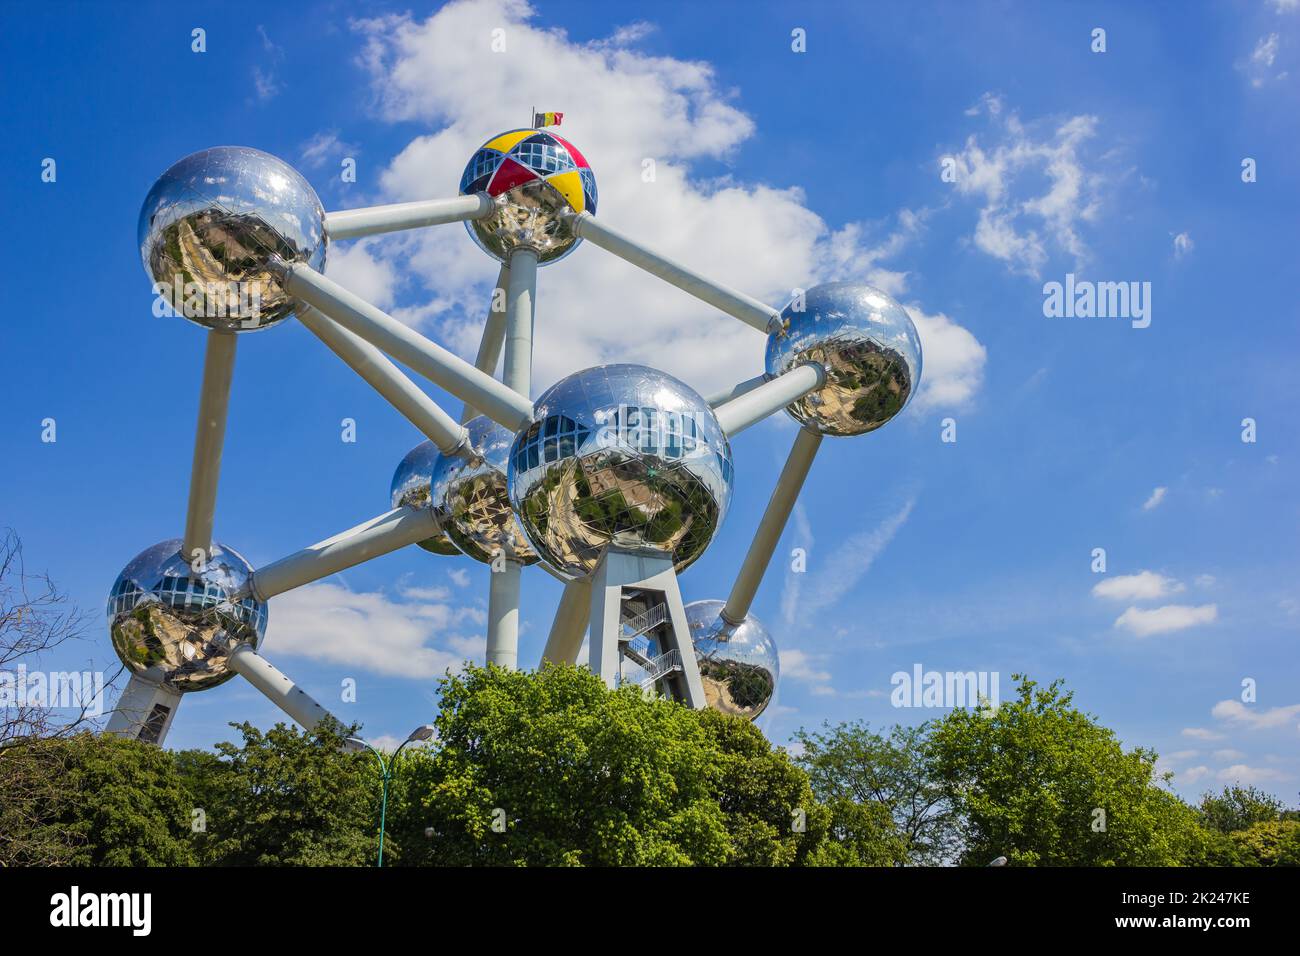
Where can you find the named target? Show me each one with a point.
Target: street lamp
(386, 767)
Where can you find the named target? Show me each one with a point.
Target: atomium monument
(615, 480)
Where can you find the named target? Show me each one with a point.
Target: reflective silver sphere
(739, 665)
(210, 225)
(470, 497)
(623, 455)
(533, 176)
(178, 627)
(411, 488)
(869, 347)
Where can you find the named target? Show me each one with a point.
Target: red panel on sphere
(509, 175)
(578, 158)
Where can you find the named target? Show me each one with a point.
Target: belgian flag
(547, 119)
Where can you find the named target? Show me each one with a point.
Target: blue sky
(775, 170)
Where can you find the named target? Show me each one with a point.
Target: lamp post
(386, 767)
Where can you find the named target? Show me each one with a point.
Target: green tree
(552, 768)
(1238, 808)
(1268, 843)
(288, 798)
(881, 792)
(1042, 783)
(769, 809)
(35, 619)
(117, 802)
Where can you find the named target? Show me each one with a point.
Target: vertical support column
(503, 615)
(494, 333)
(606, 613)
(617, 572)
(209, 436)
(144, 711)
(521, 293)
(570, 624)
(517, 373)
(771, 526)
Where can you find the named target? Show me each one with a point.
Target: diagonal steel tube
(374, 220)
(276, 686)
(570, 624)
(209, 438)
(737, 304)
(497, 400)
(494, 334)
(370, 539)
(771, 526)
(769, 398)
(385, 377)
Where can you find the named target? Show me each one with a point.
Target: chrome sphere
(620, 455)
(212, 223)
(869, 347)
(411, 488)
(739, 665)
(470, 497)
(178, 627)
(533, 177)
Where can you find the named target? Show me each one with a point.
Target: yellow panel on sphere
(569, 185)
(506, 140)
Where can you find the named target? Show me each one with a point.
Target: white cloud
(1183, 245)
(803, 538)
(1259, 66)
(850, 561)
(952, 359)
(1228, 754)
(1236, 712)
(1202, 733)
(799, 665)
(1017, 228)
(459, 577)
(1143, 586)
(1204, 580)
(1163, 620)
(323, 147)
(371, 631)
(1265, 51)
(1193, 774)
(621, 107)
(426, 593)
(266, 84)
(1242, 774)
(1157, 496)
(354, 266)
(1286, 6)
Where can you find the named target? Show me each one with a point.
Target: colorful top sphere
(533, 176)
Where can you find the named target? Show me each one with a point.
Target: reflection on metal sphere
(532, 176)
(869, 347)
(739, 665)
(625, 455)
(177, 626)
(469, 494)
(411, 488)
(211, 224)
